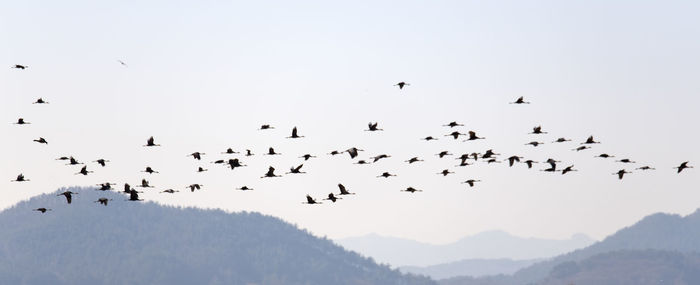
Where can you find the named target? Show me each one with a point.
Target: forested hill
(146, 243)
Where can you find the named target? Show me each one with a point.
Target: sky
(204, 75)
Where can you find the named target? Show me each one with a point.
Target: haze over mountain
(470, 267)
(485, 245)
(662, 232)
(146, 243)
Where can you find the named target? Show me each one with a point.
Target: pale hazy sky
(204, 75)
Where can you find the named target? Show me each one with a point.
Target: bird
(454, 134)
(311, 201)
(19, 66)
(529, 163)
(101, 162)
(343, 190)
(21, 121)
(386, 175)
(195, 187)
(145, 184)
(229, 151)
(151, 142)
(378, 157)
(489, 153)
(332, 197)
(73, 161)
(621, 173)
(149, 170)
(220, 161)
(171, 191)
(411, 190)
(492, 160)
(361, 161)
(266, 127)
(68, 195)
(20, 178)
(445, 172)
(568, 169)
(103, 201)
(463, 163)
(353, 152)
(42, 210)
(134, 195)
(580, 148)
(402, 84)
(270, 173)
(271, 151)
(683, 165)
(372, 127)
(83, 171)
(561, 140)
(196, 155)
(296, 170)
(443, 153)
(453, 124)
(63, 158)
(471, 182)
(534, 143)
(646, 167)
(513, 159)
(520, 100)
(552, 162)
(122, 63)
(40, 101)
(625, 160)
(105, 186)
(428, 138)
(335, 152)
(307, 157)
(244, 188)
(127, 188)
(294, 134)
(590, 140)
(473, 136)
(233, 163)
(537, 130)
(413, 159)
(200, 169)
(248, 153)
(604, 155)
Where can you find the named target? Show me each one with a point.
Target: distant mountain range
(145, 243)
(471, 267)
(486, 245)
(672, 239)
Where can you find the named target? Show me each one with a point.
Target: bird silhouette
(580, 148)
(102, 162)
(294, 134)
(68, 195)
(307, 157)
(489, 154)
(196, 155)
(40, 101)
(220, 161)
(134, 195)
(84, 171)
(473, 136)
(103, 201)
(335, 152)
(534, 143)
(21, 121)
(453, 124)
(561, 140)
(311, 201)
(381, 156)
(604, 155)
(42, 210)
(429, 138)
(151, 142)
(625, 160)
(127, 188)
(454, 134)
(20, 178)
(332, 198)
(683, 165)
(122, 63)
(266, 127)
(343, 190)
(149, 170)
(361, 161)
(105, 186)
(19, 66)
(229, 151)
(646, 167)
(271, 151)
(471, 182)
(270, 173)
(401, 84)
(386, 175)
(244, 188)
(443, 153)
(248, 153)
(513, 159)
(621, 173)
(537, 130)
(145, 184)
(195, 186)
(529, 163)
(296, 170)
(590, 140)
(567, 169)
(200, 169)
(372, 127)
(411, 190)
(445, 172)
(413, 159)
(73, 161)
(520, 100)
(171, 191)
(233, 163)
(353, 152)
(63, 158)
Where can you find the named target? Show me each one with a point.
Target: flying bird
(270, 173)
(19, 66)
(271, 151)
(378, 157)
(413, 159)
(580, 148)
(103, 201)
(145, 184)
(84, 171)
(244, 188)
(40, 101)
(42, 210)
(534, 143)
(149, 170)
(561, 140)
(200, 169)
(229, 151)
(233, 163)
(41, 140)
(171, 191)
(194, 187)
(353, 152)
(569, 168)
(520, 100)
(311, 201)
(386, 175)
(296, 170)
(443, 153)
(646, 167)
(411, 190)
(537, 130)
(307, 157)
(473, 136)
(361, 161)
(401, 84)
(683, 165)
(266, 127)
(294, 134)
(454, 134)
(604, 155)
(621, 173)
(332, 197)
(453, 124)
(20, 178)
(122, 63)
(343, 190)
(445, 172)
(513, 159)
(21, 121)
(529, 163)
(101, 162)
(471, 182)
(151, 142)
(590, 140)
(372, 127)
(134, 195)
(196, 155)
(625, 160)
(248, 153)
(68, 195)
(429, 138)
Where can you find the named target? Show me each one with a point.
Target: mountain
(146, 243)
(470, 267)
(660, 231)
(485, 245)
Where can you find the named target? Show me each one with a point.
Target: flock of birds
(488, 156)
